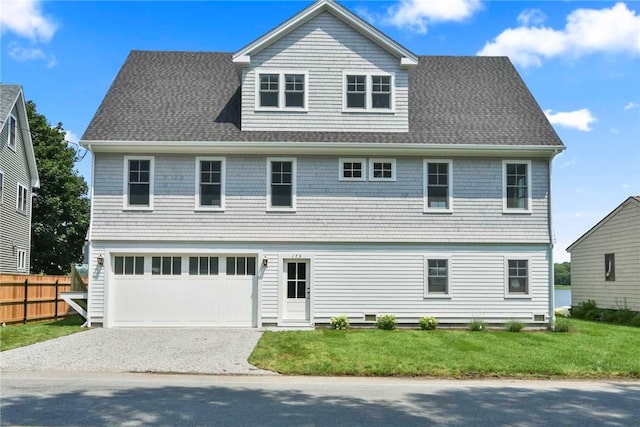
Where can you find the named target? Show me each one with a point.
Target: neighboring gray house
(322, 169)
(18, 178)
(605, 261)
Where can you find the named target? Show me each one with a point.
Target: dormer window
(282, 91)
(370, 92)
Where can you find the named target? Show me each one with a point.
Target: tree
(61, 207)
(562, 273)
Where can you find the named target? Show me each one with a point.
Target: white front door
(296, 288)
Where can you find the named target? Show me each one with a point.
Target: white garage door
(180, 290)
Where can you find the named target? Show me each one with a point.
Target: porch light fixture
(100, 260)
(265, 262)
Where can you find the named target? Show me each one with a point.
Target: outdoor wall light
(100, 260)
(265, 262)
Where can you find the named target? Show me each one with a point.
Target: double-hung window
(368, 92)
(210, 183)
(166, 265)
(269, 92)
(438, 185)
(138, 183)
(13, 124)
(281, 190)
(382, 169)
(517, 277)
(21, 260)
(516, 186)
(381, 92)
(282, 91)
(21, 199)
(294, 90)
(437, 277)
(357, 92)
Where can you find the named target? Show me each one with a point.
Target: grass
(592, 350)
(563, 287)
(14, 336)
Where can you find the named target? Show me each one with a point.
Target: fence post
(56, 313)
(26, 300)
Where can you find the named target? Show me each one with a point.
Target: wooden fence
(24, 298)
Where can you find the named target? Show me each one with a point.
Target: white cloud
(612, 30)
(631, 105)
(568, 163)
(417, 15)
(22, 54)
(25, 18)
(579, 119)
(71, 136)
(531, 17)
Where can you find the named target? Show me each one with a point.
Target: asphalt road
(67, 399)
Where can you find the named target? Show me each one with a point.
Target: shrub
(587, 310)
(477, 325)
(635, 321)
(428, 323)
(341, 323)
(562, 325)
(387, 322)
(514, 326)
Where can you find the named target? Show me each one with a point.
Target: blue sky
(580, 59)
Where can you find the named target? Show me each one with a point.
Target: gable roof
(453, 101)
(631, 200)
(407, 58)
(10, 96)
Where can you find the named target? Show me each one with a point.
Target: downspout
(91, 257)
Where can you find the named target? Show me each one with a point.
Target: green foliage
(587, 310)
(387, 322)
(61, 209)
(562, 325)
(477, 325)
(514, 326)
(340, 323)
(428, 323)
(562, 273)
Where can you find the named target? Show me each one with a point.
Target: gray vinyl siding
(619, 235)
(325, 47)
(14, 226)
(328, 210)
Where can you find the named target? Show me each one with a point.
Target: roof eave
(19, 102)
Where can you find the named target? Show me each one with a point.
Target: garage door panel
(129, 294)
(166, 300)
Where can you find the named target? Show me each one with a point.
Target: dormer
(325, 70)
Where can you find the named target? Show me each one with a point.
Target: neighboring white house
(18, 179)
(322, 169)
(605, 261)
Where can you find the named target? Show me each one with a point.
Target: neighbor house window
(1, 186)
(352, 170)
(518, 277)
(610, 267)
(210, 183)
(382, 169)
(281, 189)
(128, 265)
(166, 265)
(12, 133)
(282, 90)
(438, 185)
(368, 92)
(241, 266)
(437, 277)
(139, 182)
(517, 186)
(21, 258)
(203, 265)
(21, 199)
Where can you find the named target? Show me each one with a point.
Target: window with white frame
(517, 277)
(610, 267)
(517, 186)
(368, 92)
(241, 266)
(356, 91)
(352, 170)
(166, 265)
(12, 132)
(203, 266)
(210, 183)
(138, 182)
(282, 90)
(21, 260)
(281, 191)
(438, 185)
(1, 186)
(381, 92)
(21, 199)
(128, 265)
(437, 277)
(382, 169)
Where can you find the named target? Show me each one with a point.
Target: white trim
(309, 258)
(21, 260)
(368, 92)
(12, 144)
(425, 183)
(223, 169)
(342, 161)
(394, 173)
(293, 161)
(125, 184)
(515, 257)
(25, 198)
(2, 186)
(281, 73)
(505, 209)
(438, 257)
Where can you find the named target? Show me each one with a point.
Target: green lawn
(592, 350)
(20, 335)
(563, 287)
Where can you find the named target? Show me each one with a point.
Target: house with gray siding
(605, 261)
(18, 180)
(323, 169)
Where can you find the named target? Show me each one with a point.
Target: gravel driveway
(202, 351)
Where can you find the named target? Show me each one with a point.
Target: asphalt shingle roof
(8, 94)
(195, 96)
